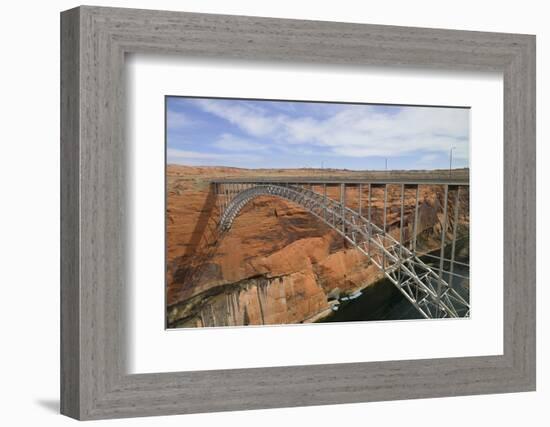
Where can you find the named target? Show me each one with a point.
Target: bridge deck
(340, 180)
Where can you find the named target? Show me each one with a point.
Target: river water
(383, 301)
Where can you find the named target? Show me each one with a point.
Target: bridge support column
(455, 226)
(369, 227)
(385, 225)
(343, 203)
(401, 224)
(442, 250)
(225, 197)
(324, 201)
(219, 200)
(360, 202)
(415, 230)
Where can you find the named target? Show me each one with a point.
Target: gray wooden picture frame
(94, 41)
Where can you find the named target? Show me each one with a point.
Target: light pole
(386, 164)
(451, 160)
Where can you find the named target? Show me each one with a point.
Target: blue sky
(283, 134)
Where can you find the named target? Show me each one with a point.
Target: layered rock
(278, 263)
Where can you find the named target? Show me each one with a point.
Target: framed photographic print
(303, 189)
(323, 212)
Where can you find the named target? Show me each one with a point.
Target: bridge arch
(298, 195)
(425, 288)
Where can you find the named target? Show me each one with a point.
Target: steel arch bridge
(428, 289)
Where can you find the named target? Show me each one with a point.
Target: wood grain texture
(94, 235)
(70, 314)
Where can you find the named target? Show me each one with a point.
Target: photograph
(293, 212)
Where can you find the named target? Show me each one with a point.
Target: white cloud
(355, 130)
(198, 158)
(251, 120)
(177, 120)
(229, 142)
(428, 158)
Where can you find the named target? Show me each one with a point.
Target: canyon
(278, 264)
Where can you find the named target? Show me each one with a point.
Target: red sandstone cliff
(278, 263)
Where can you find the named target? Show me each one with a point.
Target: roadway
(341, 180)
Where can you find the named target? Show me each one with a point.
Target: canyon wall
(277, 264)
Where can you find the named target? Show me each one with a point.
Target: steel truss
(423, 286)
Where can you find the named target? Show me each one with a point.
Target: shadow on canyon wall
(189, 268)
